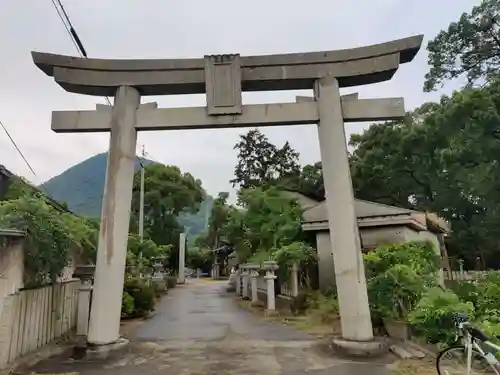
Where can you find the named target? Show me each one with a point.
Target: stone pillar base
(374, 348)
(257, 304)
(90, 352)
(272, 313)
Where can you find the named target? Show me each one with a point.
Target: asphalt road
(199, 329)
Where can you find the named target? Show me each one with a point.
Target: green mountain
(82, 185)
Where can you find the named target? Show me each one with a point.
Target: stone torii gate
(223, 78)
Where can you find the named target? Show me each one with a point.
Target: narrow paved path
(200, 330)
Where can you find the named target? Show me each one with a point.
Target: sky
(191, 29)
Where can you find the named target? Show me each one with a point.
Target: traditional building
(378, 224)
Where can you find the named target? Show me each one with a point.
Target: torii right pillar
(343, 226)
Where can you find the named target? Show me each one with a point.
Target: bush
(487, 292)
(395, 293)
(324, 306)
(419, 256)
(302, 302)
(143, 296)
(159, 288)
(127, 304)
(465, 290)
(433, 316)
(171, 281)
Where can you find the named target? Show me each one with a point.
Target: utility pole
(141, 207)
(141, 199)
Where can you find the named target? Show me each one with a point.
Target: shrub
(328, 308)
(487, 292)
(433, 316)
(324, 306)
(171, 281)
(465, 290)
(395, 292)
(159, 288)
(127, 304)
(419, 256)
(142, 294)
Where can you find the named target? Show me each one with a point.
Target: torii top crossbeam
(352, 67)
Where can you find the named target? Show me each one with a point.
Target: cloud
(192, 28)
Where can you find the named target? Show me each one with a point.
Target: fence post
(254, 273)
(295, 280)
(270, 267)
(86, 275)
(238, 281)
(245, 275)
(7, 316)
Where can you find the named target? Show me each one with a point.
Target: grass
(316, 322)
(424, 366)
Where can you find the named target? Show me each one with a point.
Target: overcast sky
(191, 28)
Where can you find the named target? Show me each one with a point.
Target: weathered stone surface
(197, 118)
(374, 348)
(356, 66)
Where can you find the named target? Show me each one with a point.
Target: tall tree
(267, 219)
(167, 193)
(309, 182)
(470, 47)
(260, 163)
(441, 158)
(218, 218)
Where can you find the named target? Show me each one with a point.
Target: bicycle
(470, 349)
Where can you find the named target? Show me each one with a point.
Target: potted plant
(393, 295)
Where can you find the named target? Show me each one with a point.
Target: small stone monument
(158, 278)
(270, 266)
(86, 275)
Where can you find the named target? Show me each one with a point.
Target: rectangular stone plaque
(223, 84)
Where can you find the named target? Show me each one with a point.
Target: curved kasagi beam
(352, 67)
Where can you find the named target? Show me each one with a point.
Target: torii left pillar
(115, 217)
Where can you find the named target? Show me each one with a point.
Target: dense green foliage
(397, 276)
(402, 285)
(470, 47)
(142, 297)
(265, 220)
(168, 194)
(433, 315)
(442, 159)
(52, 236)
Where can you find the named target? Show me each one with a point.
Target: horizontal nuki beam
(303, 112)
(356, 66)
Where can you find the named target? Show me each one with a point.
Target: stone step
(400, 352)
(414, 350)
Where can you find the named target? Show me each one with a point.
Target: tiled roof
(364, 209)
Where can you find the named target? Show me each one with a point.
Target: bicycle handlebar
(460, 318)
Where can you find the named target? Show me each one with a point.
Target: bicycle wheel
(453, 361)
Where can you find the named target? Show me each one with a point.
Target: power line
(17, 148)
(39, 188)
(69, 28)
(77, 42)
(66, 26)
